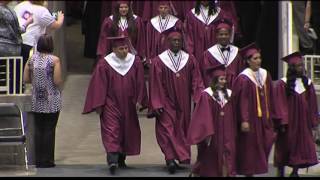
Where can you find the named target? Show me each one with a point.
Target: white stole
(120, 66)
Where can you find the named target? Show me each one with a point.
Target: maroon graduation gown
(173, 94)
(117, 95)
(235, 65)
(207, 121)
(104, 46)
(199, 36)
(156, 41)
(253, 147)
(299, 113)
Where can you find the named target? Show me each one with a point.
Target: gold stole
(259, 103)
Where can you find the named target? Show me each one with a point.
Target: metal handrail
(6, 72)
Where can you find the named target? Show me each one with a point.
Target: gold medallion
(221, 113)
(178, 75)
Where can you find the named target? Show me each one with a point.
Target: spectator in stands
(43, 70)
(298, 13)
(43, 19)
(312, 19)
(10, 31)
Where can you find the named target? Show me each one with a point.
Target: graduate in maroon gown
(253, 91)
(157, 27)
(200, 27)
(116, 91)
(122, 23)
(222, 53)
(298, 113)
(213, 128)
(175, 79)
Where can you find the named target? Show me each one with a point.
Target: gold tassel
(258, 103)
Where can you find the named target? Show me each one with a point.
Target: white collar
(251, 75)
(155, 22)
(134, 16)
(164, 57)
(224, 102)
(299, 87)
(120, 66)
(211, 18)
(215, 52)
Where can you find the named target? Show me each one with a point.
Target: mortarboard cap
(123, 2)
(172, 32)
(121, 41)
(249, 50)
(215, 71)
(223, 23)
(118, 41)
(163, 3)
(293, 58)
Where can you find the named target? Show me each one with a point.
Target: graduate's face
(121, 51)
(163, 10)
(175, 43)
(222, 81)
(123, 9)
(299, 68)
(223, 36)
(255, 61)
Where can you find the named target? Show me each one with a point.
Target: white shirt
(42, 18)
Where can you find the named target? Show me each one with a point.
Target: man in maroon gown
(174, 79)
(222, 53)
(213, 128)
(116, 90)
(157, 27)
(253, 91)
(297, 111)
(200, 27)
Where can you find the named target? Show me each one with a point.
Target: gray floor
(79, 151)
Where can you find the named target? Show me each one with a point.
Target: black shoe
(45, 165)
(294, 175)
(178, 167)
(122, 164)
(112, 168)
(171, 167)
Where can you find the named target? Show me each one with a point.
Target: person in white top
(42, 19)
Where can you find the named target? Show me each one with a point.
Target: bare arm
(58, 23)
(307, 16)
(57, 73)
(26, 73)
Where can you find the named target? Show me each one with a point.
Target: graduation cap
(249, 50)
(216, 71)
(293, 58)
(121, 41)
(164, 3)
(172, 32)
(123, 2)
(223, 23)
(118, 41)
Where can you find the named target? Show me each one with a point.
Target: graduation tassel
(258, 103)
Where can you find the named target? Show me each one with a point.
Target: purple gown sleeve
(97, 90)
(313, 107)
(142, 90)
(156, 89)
(201, 125)
(197, 82)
